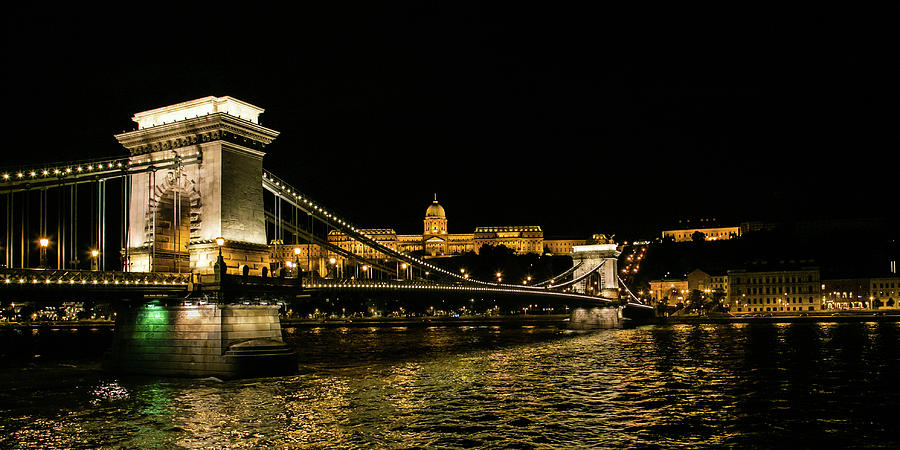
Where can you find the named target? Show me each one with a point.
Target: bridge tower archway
(168, 230)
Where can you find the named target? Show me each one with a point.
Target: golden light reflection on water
(758, 385)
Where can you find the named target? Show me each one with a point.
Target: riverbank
(519, 320)
(867, 316)
(504, 321)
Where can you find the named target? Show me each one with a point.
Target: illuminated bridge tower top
(213, 190)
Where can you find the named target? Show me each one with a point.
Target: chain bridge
(198, 245)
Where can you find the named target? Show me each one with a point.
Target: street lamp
(44, 243)
(94, 264)
(297, 260)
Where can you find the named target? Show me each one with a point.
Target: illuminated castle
(436, 241)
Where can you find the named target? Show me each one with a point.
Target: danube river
(732, 385)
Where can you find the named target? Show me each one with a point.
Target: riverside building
(776, 290)
(884, 293)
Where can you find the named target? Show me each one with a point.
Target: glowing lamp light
(220, 241)
(296, 250)
(94, 253)
(44, 242)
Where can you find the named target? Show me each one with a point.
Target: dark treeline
(513, 269)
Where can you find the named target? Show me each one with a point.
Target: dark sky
(580, 121)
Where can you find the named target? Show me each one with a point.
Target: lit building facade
(884, 293)
(678, 289)
(521, 239)
(437, 241)
(710, 234)
(862, 293)
(562, 246)
(675, 290)
(706, 282)
(775, 291)
(846, 293)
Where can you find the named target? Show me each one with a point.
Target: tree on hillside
(716, 302)
(695, 301)
(662, 307)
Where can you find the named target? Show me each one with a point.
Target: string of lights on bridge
(92, 278)
(66, 170)
(91, 167)
(429, 287)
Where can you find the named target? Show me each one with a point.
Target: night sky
(579, 121)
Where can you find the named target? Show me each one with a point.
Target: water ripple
(759, 385)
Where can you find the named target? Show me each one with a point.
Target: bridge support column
(596, 318)
(225, 341)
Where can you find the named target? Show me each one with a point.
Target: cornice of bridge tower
(198, 130)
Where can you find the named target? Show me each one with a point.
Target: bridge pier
(596, 318)
(225, 341)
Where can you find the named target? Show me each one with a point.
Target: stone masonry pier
(596, 318)
(225, 341)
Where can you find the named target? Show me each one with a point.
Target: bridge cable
(583, 276)
(567, 272)
(636, 299)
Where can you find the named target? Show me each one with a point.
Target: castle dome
(435, 210)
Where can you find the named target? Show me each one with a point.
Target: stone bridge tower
(605, 281)
(175, 214)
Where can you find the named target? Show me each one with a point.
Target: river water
(739, 385)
